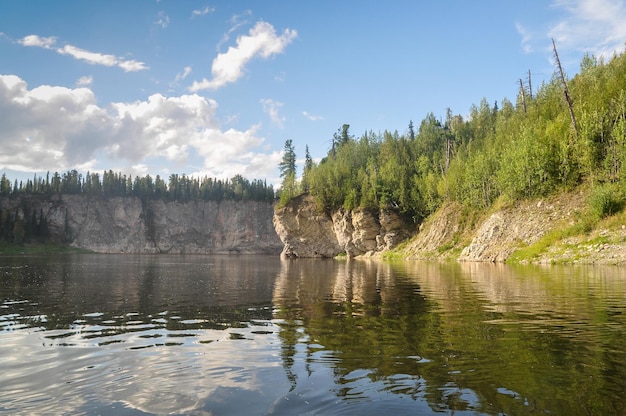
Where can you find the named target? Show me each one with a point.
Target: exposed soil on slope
(457, 233)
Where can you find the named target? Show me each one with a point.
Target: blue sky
(216, 87)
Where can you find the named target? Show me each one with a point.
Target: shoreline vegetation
(566, 137)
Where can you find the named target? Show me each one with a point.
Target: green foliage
(287, 168)
(514, 152)
(533, 251)
(178, 187)
(605, 200)
(23, 225)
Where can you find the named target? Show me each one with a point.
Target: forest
(177, 188)
(566, 133)
(32, 225)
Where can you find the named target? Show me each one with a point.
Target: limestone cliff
(130, 225)
(307, 232)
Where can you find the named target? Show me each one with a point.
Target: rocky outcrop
(130, 225)
(440, 230)
(307, 232)
(511, 228)
(455, 232)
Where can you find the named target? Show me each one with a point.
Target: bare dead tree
(530, 86)
(523, 93)
(568, 99)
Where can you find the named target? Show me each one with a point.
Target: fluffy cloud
(261, 41)
(82, 54)
(85, 81)
(597, 26)
(57, 128)
(34, 40)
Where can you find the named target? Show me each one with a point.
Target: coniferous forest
(34, 227)
(177, 188)
(529, 148)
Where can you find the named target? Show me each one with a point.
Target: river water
(255, 335)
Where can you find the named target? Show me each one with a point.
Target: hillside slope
(556, 229)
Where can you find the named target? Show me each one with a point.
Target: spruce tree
(287, 169)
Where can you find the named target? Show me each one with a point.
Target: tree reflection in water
(461, 337)
(256, 335)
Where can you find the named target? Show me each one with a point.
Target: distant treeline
(515, 150)
(177, 188)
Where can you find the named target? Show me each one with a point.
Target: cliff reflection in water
(479, 338)
(165, 334)
(132, 334)
(209, 289)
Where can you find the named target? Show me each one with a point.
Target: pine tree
(308, 165)
(287, 169)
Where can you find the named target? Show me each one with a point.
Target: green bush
(605, 200)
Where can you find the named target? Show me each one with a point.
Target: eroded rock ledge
(453, 232)
(306, 232)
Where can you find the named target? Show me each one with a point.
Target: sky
(215, 88)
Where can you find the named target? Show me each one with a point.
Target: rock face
(306, 232)
(130, 225)
(508, 229)
(493, 237)
(437, 231)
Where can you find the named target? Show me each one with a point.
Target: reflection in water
(101, 334)
(479, 338)
(254, 335)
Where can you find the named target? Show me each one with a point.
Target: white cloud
(526, 38)
(179, 77)
(90, 57)
(596, 26)
(228, 67)
(34, 40)
(56, 128)
(236, 22)
(82, 54)
(163, 20)
(182, 75)
(272, 108)
(236, 18)
(85, 81)
(202, 12)
(311, 116)
(131, 65)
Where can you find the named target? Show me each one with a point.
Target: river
(254, 335)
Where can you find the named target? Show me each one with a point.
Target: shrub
(605, 200)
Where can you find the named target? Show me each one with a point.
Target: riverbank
(566, 228)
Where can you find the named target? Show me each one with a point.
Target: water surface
(254, 335)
